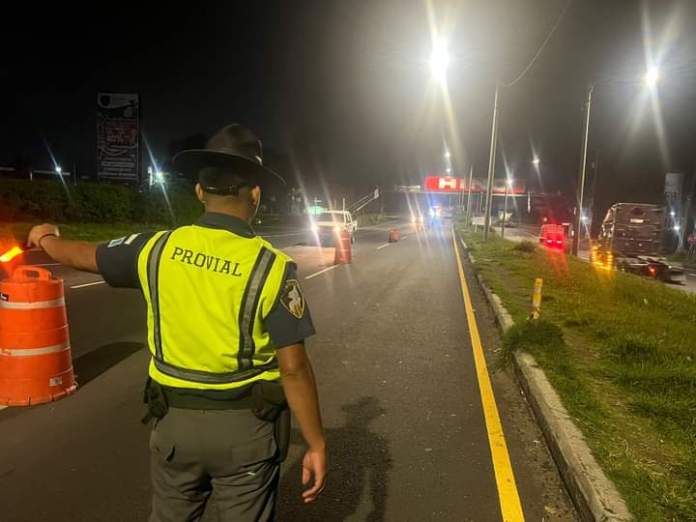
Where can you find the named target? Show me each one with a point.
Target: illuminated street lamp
(652, 76)
(439, 60)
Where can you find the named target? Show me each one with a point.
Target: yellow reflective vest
(208, 292)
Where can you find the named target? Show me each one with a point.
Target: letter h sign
(448, 184)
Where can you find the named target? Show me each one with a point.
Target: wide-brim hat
(234, 149)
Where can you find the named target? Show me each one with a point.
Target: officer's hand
(39, 231)
(314, 463)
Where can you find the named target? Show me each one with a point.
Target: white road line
(403, 237)
(89, 284)
(315, 274)
(385, 245)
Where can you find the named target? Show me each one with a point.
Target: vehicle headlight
(314, 228)
(337, 229)
(413, 219)
(420, 218)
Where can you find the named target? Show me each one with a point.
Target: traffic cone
(394, 235)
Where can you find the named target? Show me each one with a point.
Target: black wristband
(38, 242)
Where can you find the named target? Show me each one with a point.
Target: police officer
(226, 327)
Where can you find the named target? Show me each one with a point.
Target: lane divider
(509, 498)
(315, 274)
(88, 284)
(385, 245)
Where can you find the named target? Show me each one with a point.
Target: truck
(631, 240)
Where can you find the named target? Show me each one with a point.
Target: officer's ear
(255, 195)
(199, 193)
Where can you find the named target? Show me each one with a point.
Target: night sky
(344, 90)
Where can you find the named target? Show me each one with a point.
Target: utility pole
(583, 168)
(491, 166)
(468, 197)
(502, 223)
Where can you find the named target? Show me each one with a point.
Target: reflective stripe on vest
(212, 377)
(153, 262)
(247, 314)
(250, 302)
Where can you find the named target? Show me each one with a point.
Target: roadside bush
(525, 246)
(22, 200)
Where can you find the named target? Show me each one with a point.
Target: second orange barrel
(35, 356)
(344, 252)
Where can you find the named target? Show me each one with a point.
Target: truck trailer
(631, 240)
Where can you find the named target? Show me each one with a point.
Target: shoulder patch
(292, 298)
(116, 242)
(131, 238)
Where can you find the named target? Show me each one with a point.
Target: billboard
(118, 136)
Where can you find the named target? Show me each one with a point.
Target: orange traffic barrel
(35, 356)
(344, 253)
(394, 235)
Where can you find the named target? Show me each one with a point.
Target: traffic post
(536, 299)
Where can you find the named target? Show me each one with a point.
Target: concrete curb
(594, 495)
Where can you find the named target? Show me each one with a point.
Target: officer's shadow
(359, 462)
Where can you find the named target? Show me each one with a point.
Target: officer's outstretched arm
(301, 391)
(77, 254)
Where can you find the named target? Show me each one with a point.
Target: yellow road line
(508, 496)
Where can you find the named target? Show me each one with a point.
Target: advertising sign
(117, 136)
(450, 184)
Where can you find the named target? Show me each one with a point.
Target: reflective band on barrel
(33, 306)
(212, 377)
(247, 311)
(153, 263)
(27, 352)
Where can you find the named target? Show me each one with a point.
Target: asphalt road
(399, 390)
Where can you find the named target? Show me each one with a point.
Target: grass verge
(621, 351)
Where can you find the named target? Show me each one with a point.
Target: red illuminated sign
(443, 184)
(450, 184)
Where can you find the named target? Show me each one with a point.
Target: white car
(330, 224)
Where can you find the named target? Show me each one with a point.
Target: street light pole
(583, 168)
(491, 166)
(468, 197)
(502, 222)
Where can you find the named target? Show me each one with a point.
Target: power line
(541, 48)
